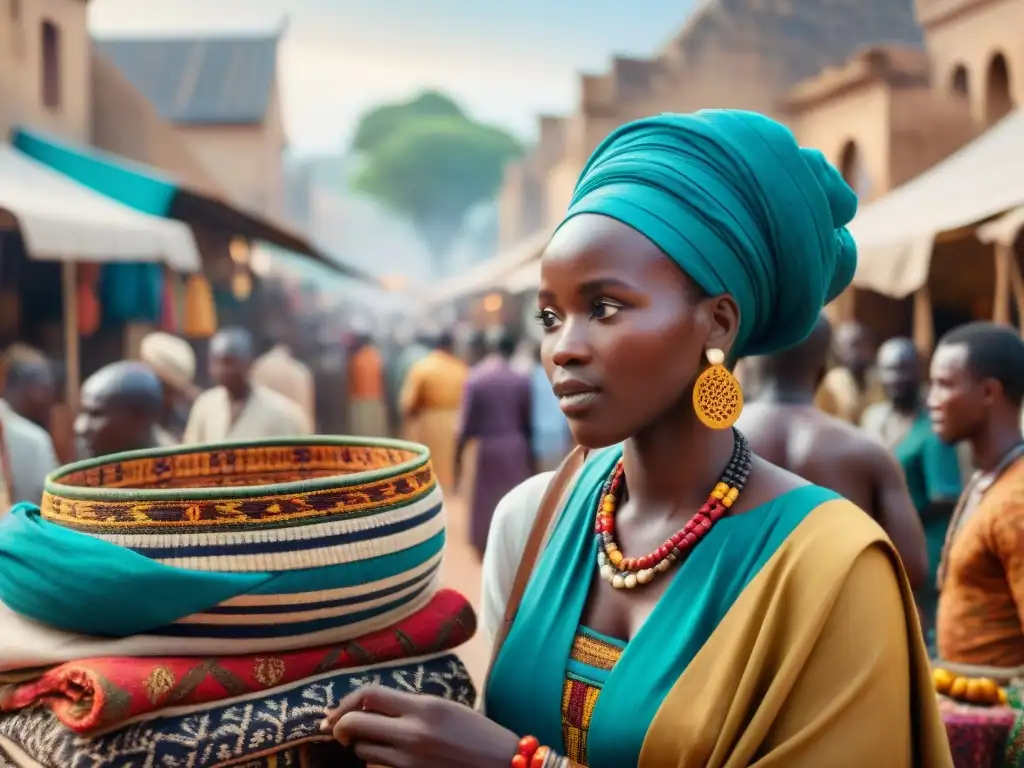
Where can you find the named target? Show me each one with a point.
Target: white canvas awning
(895, 235)
(62, 220)
(491, 275)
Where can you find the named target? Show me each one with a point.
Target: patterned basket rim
(54, 487)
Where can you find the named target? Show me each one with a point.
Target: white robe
(31, 456)
(266, 414)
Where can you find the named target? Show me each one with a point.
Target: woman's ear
(724, 325)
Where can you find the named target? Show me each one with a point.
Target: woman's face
(624, 329)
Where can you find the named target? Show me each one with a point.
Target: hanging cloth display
(199, 319)
(169, 303)
(89, 309)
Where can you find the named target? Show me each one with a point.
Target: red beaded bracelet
(530, 754)
(528, 747)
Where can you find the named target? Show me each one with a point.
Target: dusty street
(461, 571)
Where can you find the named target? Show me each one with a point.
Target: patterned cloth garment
(243, 547)
(270, 729)
(94, 695)
(591, 660)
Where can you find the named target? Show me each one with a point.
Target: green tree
(379, 123)
(433, 170)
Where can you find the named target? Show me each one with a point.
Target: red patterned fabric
(96, 694)
(977, 735)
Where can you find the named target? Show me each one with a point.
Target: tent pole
(1001, 299)
(1017, 284)
(69, 280)
(924, 324)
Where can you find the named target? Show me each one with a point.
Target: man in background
(977, 388)
(27, 454)
(368, 414)
(930, 467)
(173, 360)
(238, 409)
(280, 371)
(496, 421)
(119, 408)
(430, 402)
(849, 388)
(409, 348)
(784, 426)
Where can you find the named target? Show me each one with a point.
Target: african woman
(693, 604)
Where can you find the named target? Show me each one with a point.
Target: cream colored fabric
(171, 357)
(266, 414)
(25, 643)
(279, 371)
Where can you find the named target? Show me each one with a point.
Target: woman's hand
(403, 730)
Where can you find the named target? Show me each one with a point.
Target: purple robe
(496, 414)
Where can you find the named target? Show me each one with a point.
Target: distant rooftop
(221, 80)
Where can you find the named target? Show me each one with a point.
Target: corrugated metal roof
(213, 80)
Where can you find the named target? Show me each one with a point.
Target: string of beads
(531, 754)
(627, 572)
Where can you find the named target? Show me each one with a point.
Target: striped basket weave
(351, 530)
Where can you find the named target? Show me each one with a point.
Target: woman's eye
(547, 318)
(604, 309)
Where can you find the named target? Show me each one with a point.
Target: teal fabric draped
(78, 583)
(131, 293)
(739, 206)
(524, 692)
(54, 575)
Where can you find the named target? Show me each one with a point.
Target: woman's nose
(572, 343)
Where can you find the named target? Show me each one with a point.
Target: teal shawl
(524, 691)
(732, 199)
(79, 583)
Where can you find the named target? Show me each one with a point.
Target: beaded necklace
(627, 572)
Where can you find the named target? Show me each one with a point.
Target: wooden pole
(72, 363)
(1017, 284)
(1001, 299)
(924, 325)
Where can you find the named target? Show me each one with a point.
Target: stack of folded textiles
(207, 606)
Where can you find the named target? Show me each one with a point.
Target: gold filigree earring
(717, 396)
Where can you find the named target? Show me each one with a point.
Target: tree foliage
(431, 164)
(376, 125)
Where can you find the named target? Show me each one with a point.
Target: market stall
(925, 239)
(61, 220)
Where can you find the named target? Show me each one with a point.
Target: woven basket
(352, 529)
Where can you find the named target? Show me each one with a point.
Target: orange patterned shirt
(981, 609)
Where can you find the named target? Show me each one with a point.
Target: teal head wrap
(739, 206)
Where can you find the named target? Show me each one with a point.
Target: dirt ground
(461, 571)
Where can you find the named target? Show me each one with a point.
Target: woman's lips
(578, 403)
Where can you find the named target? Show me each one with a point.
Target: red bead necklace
(627, 572)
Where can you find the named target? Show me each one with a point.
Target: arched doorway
(851, 165)
(960, 82)
(998, 102)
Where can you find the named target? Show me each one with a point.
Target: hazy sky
(505, 62)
